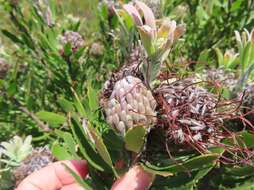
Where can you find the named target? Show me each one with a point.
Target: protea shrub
(186, 113)
(127, 99)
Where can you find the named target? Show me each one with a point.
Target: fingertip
(135, 179)
(80, 166)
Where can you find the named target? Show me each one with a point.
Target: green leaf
(157, 172)
(61, 153)
(79, 52)
(134, 138)
(67, 49)
(51, 118)
(100, 146)
(219, 57)
(92, 97)
(86, 149)
(244, 171)
(195, 163)
(113, 141)
(12, 37)
(69, 142)
(78, 104)
(248, 139)
(246, 54)
(236, 5)
(248, 185)
(182, 181)
(12, 89)
(66, 105)
(78, 179)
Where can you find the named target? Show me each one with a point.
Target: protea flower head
(127, 97)
(130, 104)
(73, 38)
(188, 113)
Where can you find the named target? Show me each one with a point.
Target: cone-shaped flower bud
(130, 104)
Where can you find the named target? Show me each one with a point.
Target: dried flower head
(96, 49)
(73, 38)
(188, 113)
(218, 78)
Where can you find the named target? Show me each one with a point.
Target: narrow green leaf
(67, 49)
(87, 151)
(78, 179)
(248, 139)
(12, 37)
(92, 97)
(66, 105)
(244, 171)
(195, 163)
(219, 57)
(79, 52)
(78, 104)
(100, 146)
(51, 118)
(245, 62)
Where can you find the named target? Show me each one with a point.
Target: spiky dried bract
(130, 67)
(188, 113)
(130, 104)
(74, 38)
(39, 158)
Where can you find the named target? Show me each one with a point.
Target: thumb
(135, 179)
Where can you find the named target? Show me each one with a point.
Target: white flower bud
(141, 108)
(115, 119)
(121, 127)
(129, 98)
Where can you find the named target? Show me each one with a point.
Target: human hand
(56, 177)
